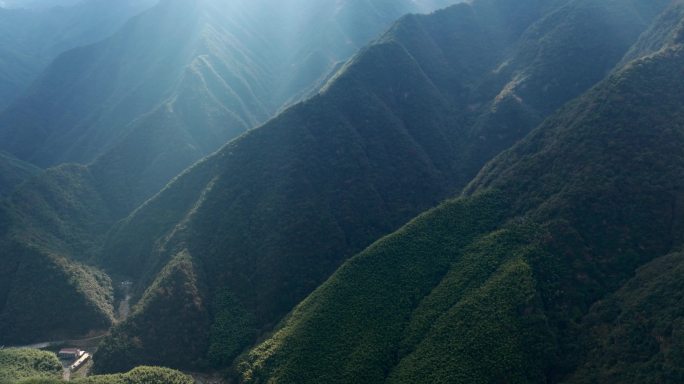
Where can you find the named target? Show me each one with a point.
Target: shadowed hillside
(272, 214)
(634, 335)
(35, 286)
(553, 128)
(572, 211)
(177, 82)
(169, 87)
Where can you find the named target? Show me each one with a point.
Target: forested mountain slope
(496, 286)
(667, 29)
(634, 335)
(177, 82)
(61, 210)
(403, 125)
(45, 297)
(30, 366)
(206, 70)
(31, 38)
(17, 364)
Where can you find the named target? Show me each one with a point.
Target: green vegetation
(35, 286)
(451, 302)
(49, 227)
(166, 107)
(175, 296)
(18, 364)
(232, 329)
(528, 277)
(275, 212)
(61, 212)
(366, 304)
(635, 334)
(199, 74)
(485, 321)
(139, 375)
(663, 32)
(205, 80)
(588, 197)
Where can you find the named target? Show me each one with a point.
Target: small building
(80, 362)
(70, 353)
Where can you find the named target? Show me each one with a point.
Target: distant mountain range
(31, 38)
(490, 193)
(199, 74)
(449, 91)
(171, 86)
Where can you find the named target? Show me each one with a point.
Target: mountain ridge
(578, 247)
(318, 246)
(68, 209)
(247, 217)
(32, 38)
(221, 92)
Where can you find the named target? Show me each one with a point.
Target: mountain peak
(482, 194)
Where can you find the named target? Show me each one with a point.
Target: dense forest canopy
(338, 191)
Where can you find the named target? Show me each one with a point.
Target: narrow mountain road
(90, 341)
